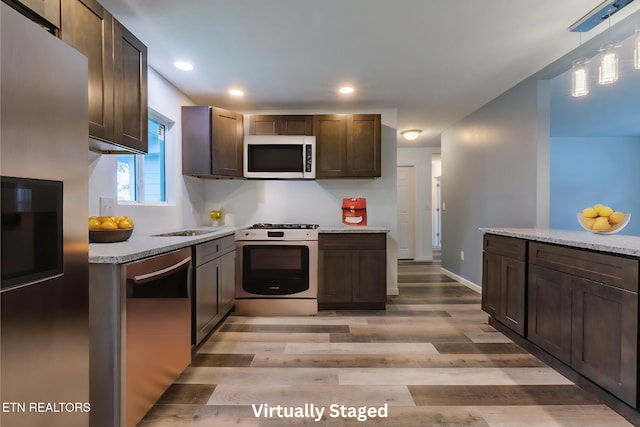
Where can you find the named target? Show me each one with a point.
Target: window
(142, 177)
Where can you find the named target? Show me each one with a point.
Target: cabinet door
(331, 145)
(513, 282)
(549, 311)
(364, 145)
(226, 146)
(88, 27)
(370, 277)
(130, 90)
(264, 124)
(196, 140)
(296, 125)
(605, 337)
(491, 284)
(227, 282)
(206, 298)
(335, 275)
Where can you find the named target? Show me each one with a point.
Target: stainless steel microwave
(279, 157)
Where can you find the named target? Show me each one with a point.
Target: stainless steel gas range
(277, 270)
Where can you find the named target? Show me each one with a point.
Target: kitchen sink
(185, 233)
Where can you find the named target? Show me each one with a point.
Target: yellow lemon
(605, 211)
(94, 224)
(587, 222)
(601, 224)
(597, 207)
(589, 213)
(616, 217)
(125, 223)
(109, 225)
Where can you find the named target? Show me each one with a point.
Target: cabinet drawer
(506, 246)
(228, 244)
(340, 241)
(611, 269)
(207, 251)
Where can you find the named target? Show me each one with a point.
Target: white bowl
(614, 228)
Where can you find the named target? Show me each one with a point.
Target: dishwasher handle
(147, 277)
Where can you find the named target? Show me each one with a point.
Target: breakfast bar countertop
(612, 243)
(143, 246)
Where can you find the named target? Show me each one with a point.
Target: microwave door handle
(147, 277)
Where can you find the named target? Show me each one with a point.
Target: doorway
(406, 212)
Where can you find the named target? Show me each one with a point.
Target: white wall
(186, 207)
(319, 202)
(421, 159)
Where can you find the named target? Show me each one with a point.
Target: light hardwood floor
(430, 357)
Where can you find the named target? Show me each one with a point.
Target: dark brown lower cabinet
(604, 342)
(504, 281)
(352, 271)
(549, 311)
(583, 309)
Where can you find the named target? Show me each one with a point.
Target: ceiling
(433, 61)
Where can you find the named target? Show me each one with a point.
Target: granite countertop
(612, 243)
(143, 246)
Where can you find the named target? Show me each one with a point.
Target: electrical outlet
(461, 255)
(444, 207)
(106, 205)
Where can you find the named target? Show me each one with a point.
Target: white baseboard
(469, 284)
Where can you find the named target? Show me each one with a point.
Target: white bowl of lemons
(601, 219)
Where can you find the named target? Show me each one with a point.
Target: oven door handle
(147, 277)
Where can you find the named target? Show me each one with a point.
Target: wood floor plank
(498, 360)
(188, 394)
(465, 395)
(235, 360)
(451, 376)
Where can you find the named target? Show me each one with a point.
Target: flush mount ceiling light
(599, 15)
(345, 90)
(183, 65)
(411, 134)
(236, 92)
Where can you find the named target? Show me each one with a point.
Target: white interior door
(437, 213)
(406, 212)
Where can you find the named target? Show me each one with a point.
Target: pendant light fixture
(580, 76)
(608, 72)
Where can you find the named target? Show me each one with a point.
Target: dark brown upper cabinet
(44, 12)
(211, 142)
(117, 76)
(130, 90)
(281, 125)
(348, 145)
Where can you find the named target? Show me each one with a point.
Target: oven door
(277, 269)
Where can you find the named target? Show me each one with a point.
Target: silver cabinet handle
(147, 277)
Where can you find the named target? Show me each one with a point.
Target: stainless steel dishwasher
(158, 328)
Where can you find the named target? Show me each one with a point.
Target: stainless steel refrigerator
(44, 329)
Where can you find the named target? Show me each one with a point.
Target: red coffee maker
(354, 211)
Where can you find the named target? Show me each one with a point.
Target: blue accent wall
(586, 171)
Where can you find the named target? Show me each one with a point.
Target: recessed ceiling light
(236, 92)
(183, 65)
(346, 90)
